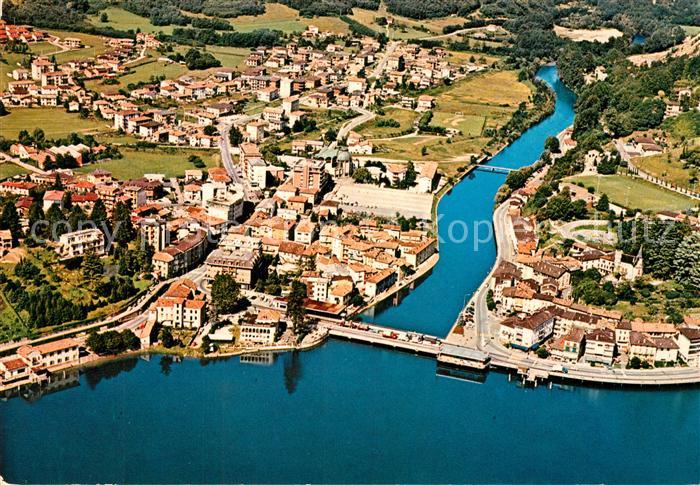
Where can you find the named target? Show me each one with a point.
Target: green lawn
(410, 148)
(494, 89)
(405, 117)
(634, 193)
(288, 20)
(276, 17)
(169, 161)
(482, 100)
(43, 49)
(94, 46)
(406, 28)
(121, 19)
(55, 122)
(691, 29)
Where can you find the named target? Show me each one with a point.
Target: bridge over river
(531, 370)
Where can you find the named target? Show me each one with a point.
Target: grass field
(404, 116)
(169, 161)
(469, 125)
(669, 169)
(43, 49)
(8, 170)
(635, 193)
(9, 61)
(140, 73)
(229, 56)
(121, 19)
(55, 122)
(94, 46)
(496, 88)
(407, 28)
(482, 100)
(462, 57)
(281, 17)
(691, 29)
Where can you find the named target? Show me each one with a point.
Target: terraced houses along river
(352, 413)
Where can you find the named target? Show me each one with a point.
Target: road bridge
(494, 168)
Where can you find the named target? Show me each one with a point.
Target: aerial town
(510, 192)
(264, 207)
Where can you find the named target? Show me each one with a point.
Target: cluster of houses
(45, 158)
(25, 34)
(533, 292)
(421, 68)
(47, 83)
(575, 333)
(33, 364)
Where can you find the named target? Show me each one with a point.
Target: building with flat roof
(78, 243)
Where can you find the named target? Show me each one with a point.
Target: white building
(689, 345)
(600, 346)
(262, 330)
(528, 332)
(78, 243)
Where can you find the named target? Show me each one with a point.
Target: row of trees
(670, 249)
(113, 342)
(312, 8)
(256, 38)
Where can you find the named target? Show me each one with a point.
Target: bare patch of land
(581, 35)
(689, 47)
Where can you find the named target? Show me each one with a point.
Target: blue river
(352, 413)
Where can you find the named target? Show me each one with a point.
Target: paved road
(379, 68)
(26, 166)
(506, 251)
(365, 116)
(583, 371)
(227, 160)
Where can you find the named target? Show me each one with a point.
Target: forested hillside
(310, 8)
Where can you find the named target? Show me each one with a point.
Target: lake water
(352, 413)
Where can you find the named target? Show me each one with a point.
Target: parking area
(383, 202)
